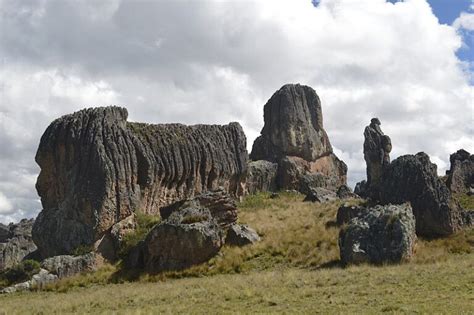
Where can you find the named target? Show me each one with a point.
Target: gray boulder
(384, 234)
(97, 169)
(66, 266)
(187, 237)
(319, 194)
(241, 235)
(346, 212)
(344, 192)
(261, 176)
(414, 179)
(461, 172)
(17, 245)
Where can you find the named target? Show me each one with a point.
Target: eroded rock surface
(377, 148)
(383, 234)
(241, 235)
(16, 243)
(97, 169)
(414, 179)
(293, 137)
(461, 172)
(261, 176)
(66, 265)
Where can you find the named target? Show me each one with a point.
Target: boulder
(109, 245)
(414, 179)
(384, 234)
(461, 172)
(347, 212)
(293, 136)
(17, 245)
(187, 237)
(241, 235)
(361, 189)
(97, 169)
(319, 194)
(377, 147)
(37, 281)
(261, 176)
(344, 192)
(66, 265)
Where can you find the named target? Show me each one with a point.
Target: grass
(466, 201)
(295, 268)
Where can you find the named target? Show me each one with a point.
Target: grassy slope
(294, 268)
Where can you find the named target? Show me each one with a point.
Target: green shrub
(145, 222)
(82, 250)
(19, 273)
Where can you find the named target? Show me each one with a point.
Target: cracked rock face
(294, 137)
(414, 179)
(97, 169)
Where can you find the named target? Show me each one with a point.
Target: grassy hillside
(294, 268)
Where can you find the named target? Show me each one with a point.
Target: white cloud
(465, 21)
(218, 61)
(5, 205)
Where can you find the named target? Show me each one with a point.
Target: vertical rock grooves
(97, 169)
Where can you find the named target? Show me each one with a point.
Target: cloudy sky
(410, 63)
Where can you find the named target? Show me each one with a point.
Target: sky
(409, 63)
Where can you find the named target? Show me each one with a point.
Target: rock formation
(377, 147)
(241, 235)
(16, 243)
(347, 212)
(97, 169)
(383, 234)
(293, 137)
(461, 172)
(261, 176)
(414, 179)
(64, 266)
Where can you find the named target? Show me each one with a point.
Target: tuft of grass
(82, 250)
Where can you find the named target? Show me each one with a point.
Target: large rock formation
(293, 137)
(414, 178)
(377, 147)
(261, 176)
(383, 234)
(97, 169)
(461, 172)
(16, 243)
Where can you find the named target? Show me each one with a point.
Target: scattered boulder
(16, 244)
(97, 169)
(66, 266)
(319, 194)
(461, 172)
(261, 176)
(293, 137)
(384, 234)
(344, 192)
(187, 237)
(37, 281)
(414, 179)
(346, 212)
(241, 235)
(377, 148)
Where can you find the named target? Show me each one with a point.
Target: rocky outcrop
(16, 243)
(414, 179)
(293, 137)
(97, 169)
(345, 192)
(461, 172)
(261, 176)
(66, 266)
(383, 234)
(377, 148)
(241, 235)
(321, 195)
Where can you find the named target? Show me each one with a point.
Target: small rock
(241, 235)
(320, 195)
(344, 192)
(43, 278)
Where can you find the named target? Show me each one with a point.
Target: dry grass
(293, 269)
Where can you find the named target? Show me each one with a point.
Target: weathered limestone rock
(261, 176)
(66, 266)
(414, 179)
(384, 234)
(321, 195)
(97, 169)
(241, 235)
(187, 237)
(293, 137)
(377, 148)
(346, 212)
(16, 244)
(461, 172)
(345, 192)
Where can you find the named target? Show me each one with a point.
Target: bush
(19, 273)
